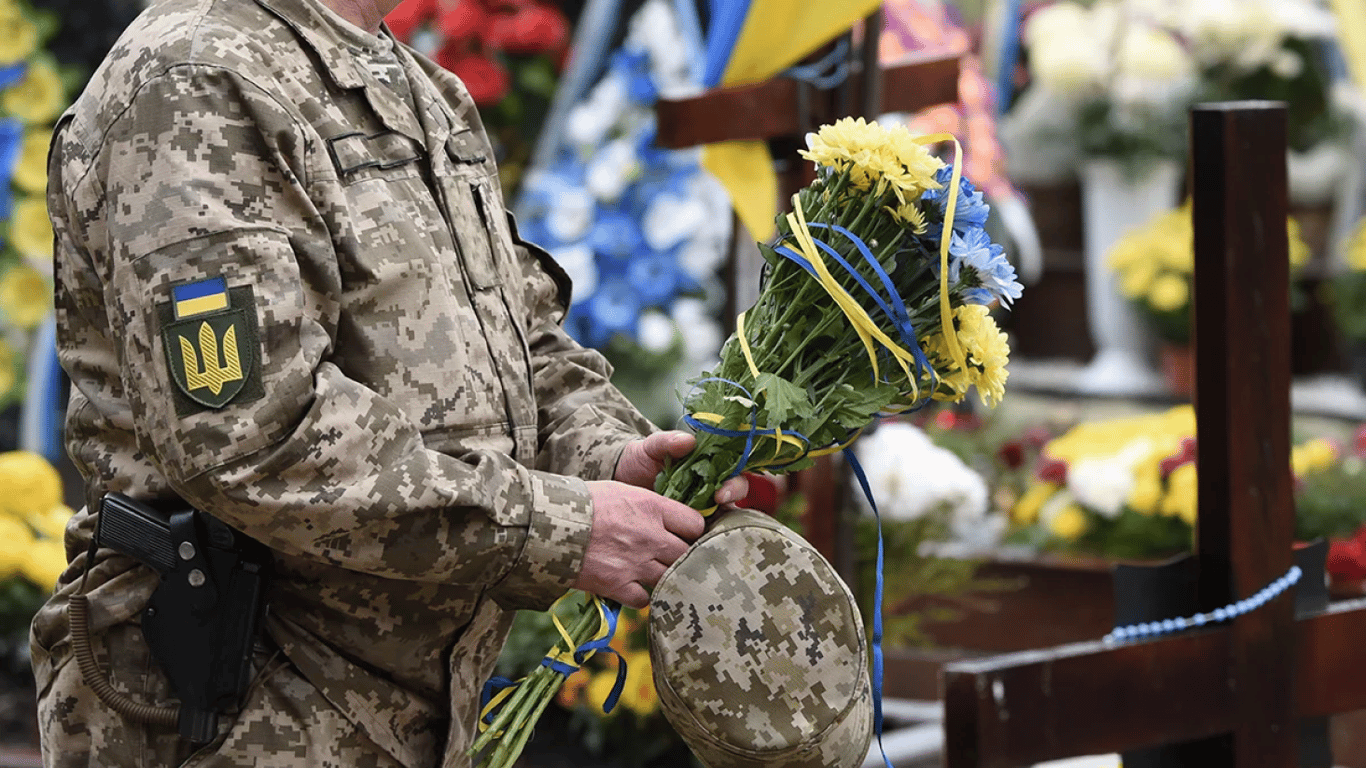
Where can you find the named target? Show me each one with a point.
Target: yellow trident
(212, 376)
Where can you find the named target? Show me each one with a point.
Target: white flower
(591, 119)
(656, 331)
(700, 258)
(571, 215)
(1104, 483)
(654, 29)
(612, 169)
(670, 219)
(1148, 53)
(578, 262)
(911, 477)
(701, 333)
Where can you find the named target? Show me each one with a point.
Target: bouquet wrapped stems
(874, 300)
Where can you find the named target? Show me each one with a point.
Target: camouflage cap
(758, 651)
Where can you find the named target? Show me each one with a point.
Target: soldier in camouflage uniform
(289, 295)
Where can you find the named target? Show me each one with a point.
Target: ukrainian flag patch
(199, 298)
(212, 345)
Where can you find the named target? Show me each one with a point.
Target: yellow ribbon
(557, 654)
(945, 311)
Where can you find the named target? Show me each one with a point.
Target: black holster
(201, 622)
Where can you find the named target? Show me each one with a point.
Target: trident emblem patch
(209, 342)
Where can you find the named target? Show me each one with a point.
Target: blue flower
(11, 144)
(613, 308)
(635, 66)
(12, 74)
(616, 237)
(658, 279)
(991, 271)
(971, 210)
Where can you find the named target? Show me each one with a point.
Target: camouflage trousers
(284, 722)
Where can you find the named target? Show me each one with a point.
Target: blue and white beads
(1246, 605)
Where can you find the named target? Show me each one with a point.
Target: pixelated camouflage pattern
(418, 460)
(758, 651)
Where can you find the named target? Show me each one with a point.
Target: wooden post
(1242, 401)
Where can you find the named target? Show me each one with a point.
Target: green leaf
(783, 400)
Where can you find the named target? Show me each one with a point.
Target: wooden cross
(781, 111)
(1231, 694)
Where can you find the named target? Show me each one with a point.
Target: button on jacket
(406, 425)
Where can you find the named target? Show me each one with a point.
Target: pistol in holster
(201, 622)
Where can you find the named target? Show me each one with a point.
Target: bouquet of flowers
(875, 299)
(1155, 265)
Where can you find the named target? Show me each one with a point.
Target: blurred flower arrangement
(1126, 488)
(1347, 294)
(1155, 266)
(32, 521)
(1124, 73)
(508, 53)
(33, 92)
(641, 231)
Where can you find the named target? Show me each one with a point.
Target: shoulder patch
(212, 344)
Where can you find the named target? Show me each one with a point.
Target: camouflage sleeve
(205, 175)
(584, 421)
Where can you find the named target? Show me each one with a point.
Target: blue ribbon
(612, 612)
(895, 311)
(862, 478)
(748, 434)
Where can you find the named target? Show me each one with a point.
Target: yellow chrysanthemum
(31, 229)
(1180, 500)
(15, 541)
(1313, 456)
(638, 693)
(7, 361)
(1356, 249)
(30, 173)
(987, 349)
(1136, 277)
(38, 98)
(1069, 523)
(1102, 439)
(45, 561)
(874, 155)
(1146, 495)
(25, 296)
(27, 482)
(1026, 510)
(910, 215)
(18, 36)
(52, 523)
(1169, 293)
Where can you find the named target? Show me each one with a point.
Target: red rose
(408, 15)
(1011, 454)
(1053, 470)
(484, 78)
(530, 29)
(461, 19)
(1347, 559)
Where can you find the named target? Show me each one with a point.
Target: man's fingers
(732, 490)
(651, 573)
(633, 595)
(682, 521)
(669, 445)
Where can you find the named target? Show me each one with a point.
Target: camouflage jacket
(289, 293)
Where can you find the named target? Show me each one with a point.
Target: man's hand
(642, 460)
(637, 534)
